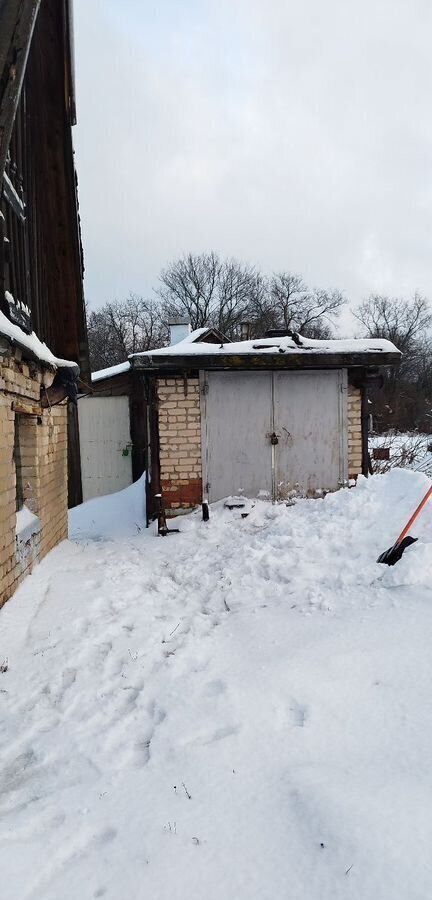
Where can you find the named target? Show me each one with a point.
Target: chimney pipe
(244, 331)
(179, 330)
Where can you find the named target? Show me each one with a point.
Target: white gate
(105, 445)
(275, 434)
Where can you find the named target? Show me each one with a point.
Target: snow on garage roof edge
(191, 346)
(272, 347)
(111, 371)
(121, 368)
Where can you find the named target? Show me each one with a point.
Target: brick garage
(180, 453)
(33, 468)
(180, 440)
(211, 404)
(191, 399)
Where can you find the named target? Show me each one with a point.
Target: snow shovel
(393, 555)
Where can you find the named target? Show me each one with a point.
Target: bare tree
(210, 291)
(189, 287)
(400, 321)
(405, 403)
(301, 309)
(123, 327)
(290, 305)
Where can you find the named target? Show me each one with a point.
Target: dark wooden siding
(44, 266)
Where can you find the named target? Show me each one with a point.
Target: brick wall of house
(41, 455)
(354, 432)
(53, 484)
(180, 442)
(7, 500)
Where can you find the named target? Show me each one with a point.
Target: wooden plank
(24, 407)
(75, 495)
(300, 360)
(12, 198)
(381, 453)
(138, 427)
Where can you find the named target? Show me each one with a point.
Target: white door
(236, 423)
(273, 435)
(105, 445)
(309, 426)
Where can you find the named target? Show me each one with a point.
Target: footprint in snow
(298, 714)
(215, 688)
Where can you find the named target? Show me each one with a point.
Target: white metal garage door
(274, 434)
(105, 445)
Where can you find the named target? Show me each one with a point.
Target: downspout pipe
(375, 378)
(365, 430)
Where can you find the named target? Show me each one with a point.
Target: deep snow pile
(243, 710)
(119, 515)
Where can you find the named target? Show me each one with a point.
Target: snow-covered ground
(407, 450)
(239, 711)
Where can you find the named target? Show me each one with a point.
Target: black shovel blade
(392, 556)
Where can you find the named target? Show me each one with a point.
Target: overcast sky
(292, 135)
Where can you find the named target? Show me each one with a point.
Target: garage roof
(281, 353)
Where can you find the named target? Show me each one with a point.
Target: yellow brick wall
(43, 455)
(53, 486)
(7, 500)
(354, 432)
(180, 442)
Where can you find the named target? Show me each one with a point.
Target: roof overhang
(281, 361)
(31, 349)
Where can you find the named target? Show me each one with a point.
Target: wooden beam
(290, 361)
(24, 407)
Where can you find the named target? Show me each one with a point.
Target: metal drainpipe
(365, 430)
(273, 444)
(371, 378)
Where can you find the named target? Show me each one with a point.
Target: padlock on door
(274, 437)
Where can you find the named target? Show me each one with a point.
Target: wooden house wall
(45, 265)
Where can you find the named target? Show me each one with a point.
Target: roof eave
(7, 344)
(301, 360)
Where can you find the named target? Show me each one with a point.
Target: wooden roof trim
(295, 361)
(216, 334)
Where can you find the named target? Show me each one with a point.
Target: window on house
(25, 456)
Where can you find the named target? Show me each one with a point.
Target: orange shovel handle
(414, 516)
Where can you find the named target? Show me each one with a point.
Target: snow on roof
(191, 345)
(31, 343)
(120, 368)
(111, 371)
(271, 346)
(193, 336)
